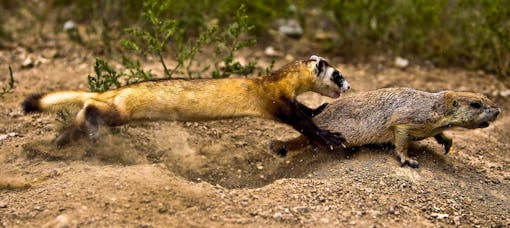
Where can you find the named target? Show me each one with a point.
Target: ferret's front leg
(444, 140)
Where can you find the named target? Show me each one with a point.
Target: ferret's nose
(346, 86)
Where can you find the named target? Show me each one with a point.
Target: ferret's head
(330, 81)
(471, 110)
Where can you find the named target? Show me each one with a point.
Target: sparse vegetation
(159, 35)
(9, 88)
(105, 77)
(472, 34)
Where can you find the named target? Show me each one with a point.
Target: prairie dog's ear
(320, 64)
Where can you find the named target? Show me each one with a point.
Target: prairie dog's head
(330, 81)
(471, 110)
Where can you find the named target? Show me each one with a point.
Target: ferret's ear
(320, 64)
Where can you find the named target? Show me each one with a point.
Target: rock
(439, 215)
(62, 221)
(270, 51)
(3, 137)
(456, 220)
(28, 62)
(290, 28)
(505, 93)
(3, 205)
(69, 25)
(49, 53)
(277, 215)
(401, 62)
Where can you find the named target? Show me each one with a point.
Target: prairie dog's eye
(476, 104)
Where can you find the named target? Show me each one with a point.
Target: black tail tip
(31, 103)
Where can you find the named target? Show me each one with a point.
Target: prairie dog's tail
(52, 102)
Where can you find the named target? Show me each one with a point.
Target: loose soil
(220, 173)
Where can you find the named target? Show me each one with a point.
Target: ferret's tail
(56, 101)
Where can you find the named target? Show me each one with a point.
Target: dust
(13, 183)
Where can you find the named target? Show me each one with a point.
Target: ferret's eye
(337, 77)
(475, 104)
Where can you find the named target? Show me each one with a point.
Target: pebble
(69, 25)
(439, 215)
(290, 28)
(505, 93)
(3, 205)
(277, 215)
(61, 221)
(28, 62)
(401, 62)
(270, 51)
(10, 134)
(49, 53)
(456, 220)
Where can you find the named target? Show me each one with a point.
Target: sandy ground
(220, 173)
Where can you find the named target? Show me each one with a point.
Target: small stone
(277, 215)
(456, 220)
(61, 221)
(270, 51)
(69, 25)
(439, 215)
(505, 93)
(28, 62)
(3, 205)
(3, 137)
(401, 62)
(49, 53)
(290, 28)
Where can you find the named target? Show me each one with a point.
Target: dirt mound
(221, 173)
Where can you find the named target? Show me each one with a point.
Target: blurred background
(461, 33)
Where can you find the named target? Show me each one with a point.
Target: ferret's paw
(278, 147)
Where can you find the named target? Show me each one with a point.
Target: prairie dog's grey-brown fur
(399, 115)
(271, 97)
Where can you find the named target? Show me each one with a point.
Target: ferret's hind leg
(88, 121)
(282, 148)
(72, 132)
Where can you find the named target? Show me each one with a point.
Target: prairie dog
(398, 116)
(271, 97)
